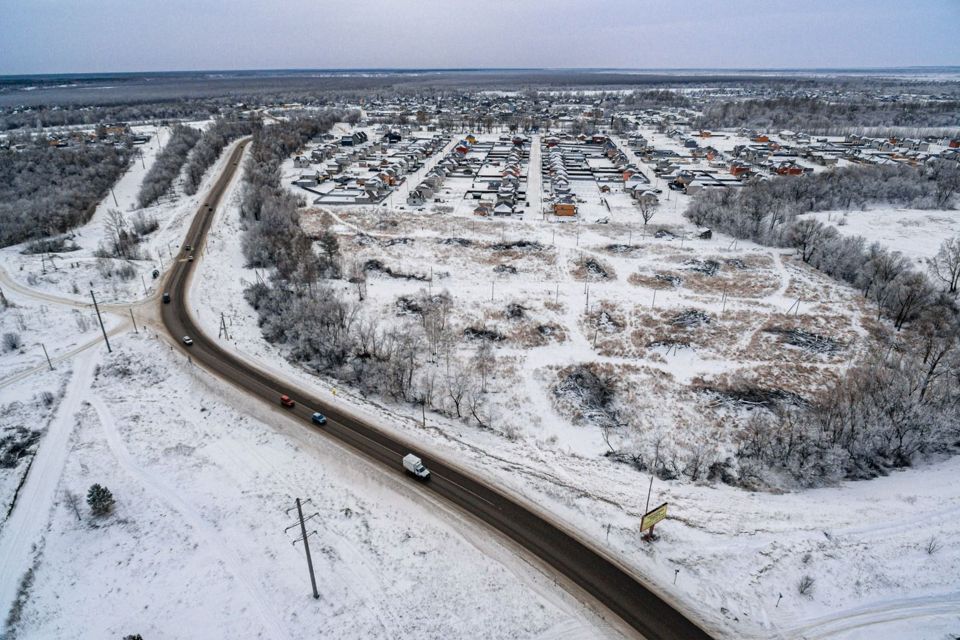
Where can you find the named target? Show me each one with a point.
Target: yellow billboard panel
(653, 516)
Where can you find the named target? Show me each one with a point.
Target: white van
(414, 466)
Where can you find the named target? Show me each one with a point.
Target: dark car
(286, 401)
(166, 298)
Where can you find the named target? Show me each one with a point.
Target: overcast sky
(58, 36)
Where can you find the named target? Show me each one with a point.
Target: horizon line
(480, 69)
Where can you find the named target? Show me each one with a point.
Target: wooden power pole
(105, 338)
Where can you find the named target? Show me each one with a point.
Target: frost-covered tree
(45, 191)
(215, 138)
(166, 167)
(945, 266)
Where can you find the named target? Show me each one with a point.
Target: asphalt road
(611, 584)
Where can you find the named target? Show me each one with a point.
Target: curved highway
(609, 582)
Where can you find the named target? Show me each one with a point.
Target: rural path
(876, 615)
(23, 530)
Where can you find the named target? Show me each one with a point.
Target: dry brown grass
(659, 279)
(537, 334)
(718, 335)
(588, 268)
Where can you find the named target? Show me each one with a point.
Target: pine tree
(100, 500)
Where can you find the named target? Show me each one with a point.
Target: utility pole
(223, 327)
(97, 308)
(306, 543)
(134, 320)
(50, 364)
(144, 283)
(656, 459)
(114, 197)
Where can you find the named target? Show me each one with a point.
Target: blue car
(319, 418)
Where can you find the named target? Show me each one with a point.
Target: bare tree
(483, 363)
(806, 236)
(73, 501)
(477, 405)
(879, 275)
(457, 384)
(357, 275)
(945, 266)
(648, 207)
(115, 226)
(947, 177)
(911, 293)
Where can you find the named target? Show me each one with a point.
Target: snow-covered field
(916, 233)
(203, 477)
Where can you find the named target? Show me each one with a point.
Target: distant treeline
(821, 115)
(48, 190)
(167, 166)
(44, 116)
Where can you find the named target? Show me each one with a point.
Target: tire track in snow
(876, 614)
(212, 537)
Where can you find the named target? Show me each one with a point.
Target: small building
(738, 169)
(566, 209)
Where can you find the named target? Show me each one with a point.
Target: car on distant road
(190, 258)
(187, 340)
(187, 248)
(286, 401)
(319, 418)
(166, 298)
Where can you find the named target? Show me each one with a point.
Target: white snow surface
(916, 233)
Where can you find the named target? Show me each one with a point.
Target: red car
(287, 402)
